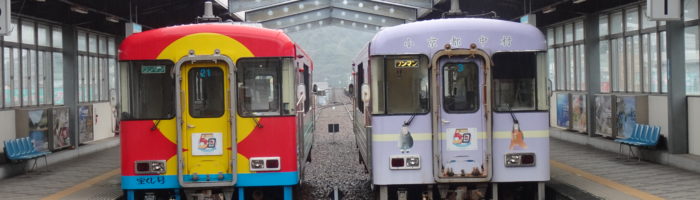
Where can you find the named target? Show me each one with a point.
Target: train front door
(206, 140)
(463, 142)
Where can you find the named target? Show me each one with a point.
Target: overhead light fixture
(79, 9)
(549, 10)
(578, 1)
(40, 0)
(112, 19)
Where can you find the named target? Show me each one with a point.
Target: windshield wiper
(257, 123)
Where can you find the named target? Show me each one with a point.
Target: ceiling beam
(285, 10)
(294, 20)
(333, 22)
(244, 5)
(367, 18)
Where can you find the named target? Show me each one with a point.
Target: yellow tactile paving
(612, 184)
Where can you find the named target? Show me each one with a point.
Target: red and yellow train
(214, 110)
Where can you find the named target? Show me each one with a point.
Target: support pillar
(591, 42)
(70, 80)
(677, 101)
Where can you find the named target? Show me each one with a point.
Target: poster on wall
(207, 144)
(85, 124)
(626, 115)
(60, 128)
(578, 112)
(563, 112)
(39, 129)
(603, 115)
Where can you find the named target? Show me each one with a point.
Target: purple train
(453, 108)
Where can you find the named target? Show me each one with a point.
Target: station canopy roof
(294, 15)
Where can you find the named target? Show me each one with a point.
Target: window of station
(31, 73)
(566, 56)
(405, 87)
(96, 66)
(515, 81)
(692, 48)
(266, 87)
(633, 53)
(148, 91)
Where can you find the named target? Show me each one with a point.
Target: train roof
(261, 42)
(427, 37)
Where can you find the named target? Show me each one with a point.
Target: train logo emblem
(461, 139)
(206, 144)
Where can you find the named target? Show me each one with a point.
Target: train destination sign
(153, 69)
(406, 63)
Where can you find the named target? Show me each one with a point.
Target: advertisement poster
(603, 115)
(460, 139)
(578, 112)
(60, 128)
(207, 144)
(38, 129)
(85, 124)
(563, 110)
(626, 116)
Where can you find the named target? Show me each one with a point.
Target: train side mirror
(315, 88)
(365, 93)
(301, 93)
(351, 89)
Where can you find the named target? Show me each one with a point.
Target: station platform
(90, 171)
(577, 172)
(596, 171)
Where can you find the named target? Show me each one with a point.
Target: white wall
(693, 125)
(103, 119)
(7, 122)
(658, 113)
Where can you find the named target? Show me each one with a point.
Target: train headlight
(413, 161)
(265, 164)
(520, 159)
(150, 167)
(257, 164)
(404, 162)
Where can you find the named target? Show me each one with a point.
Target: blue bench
(642, 136)
(23, 149)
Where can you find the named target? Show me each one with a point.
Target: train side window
(288, 87)
(148, 91)
(461, 90)
(307, 102)
(360, 77)
(206, 92)
(514, 81)
(265, 87)
(377, 85)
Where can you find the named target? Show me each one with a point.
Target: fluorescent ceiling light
(112, 19)
(79, 9)
(549, 10)
(578, 1)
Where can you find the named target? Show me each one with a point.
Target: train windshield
(265, 87)
(149, 90)
(401, 85)
(515, 81)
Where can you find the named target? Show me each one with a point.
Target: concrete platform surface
(612, 176)
(90, 176)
